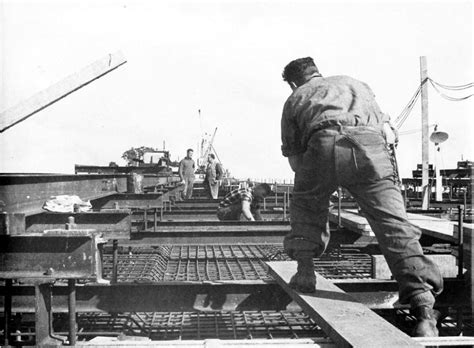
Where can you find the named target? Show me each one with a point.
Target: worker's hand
(213, 182)
(182, 182)
(390, 134)
(246, 211)
(295, 161)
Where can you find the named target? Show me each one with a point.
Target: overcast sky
(225, 58)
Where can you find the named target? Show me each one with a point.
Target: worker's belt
(344, 128)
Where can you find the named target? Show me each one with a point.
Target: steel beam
(72, 311)
(58, 254)
(223, 226)
(210, 215)
(114, 224)
(130, 200)
(7, 311)
(44, 317)
(12, 223)
(26, 193)
(213, 204)
(208, 237)
(163, 296)
(208, 295)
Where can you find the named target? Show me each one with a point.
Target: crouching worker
(244, 201)
(334, 134)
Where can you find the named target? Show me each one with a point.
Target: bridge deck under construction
(178, 276)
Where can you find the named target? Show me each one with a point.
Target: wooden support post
(347, 322)
(52, 94)
(425, 189)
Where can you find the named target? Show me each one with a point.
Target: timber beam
(63, 88)
(347, 322)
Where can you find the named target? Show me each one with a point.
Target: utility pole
(425, 159)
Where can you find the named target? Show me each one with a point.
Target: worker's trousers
(357, 158)
(213, 189)
(234, 213)
(230, 213)
(188, 187)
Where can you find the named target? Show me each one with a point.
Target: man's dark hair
(212, 156)
(266, 187)
(189, 150)
(295, 70)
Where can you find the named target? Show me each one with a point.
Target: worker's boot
(304, 280)
(426, 316)
(427, 319)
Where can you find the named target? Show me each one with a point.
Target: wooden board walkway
(347, 322)
(352, 221)
(431, 226)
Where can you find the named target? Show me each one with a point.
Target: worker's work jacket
(324, 102)
(213, 172)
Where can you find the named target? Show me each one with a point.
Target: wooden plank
(431, 226)
(445, 262)
(352, 221)
(347, 322)
(59, 90)
(452, 341)
(136, 341)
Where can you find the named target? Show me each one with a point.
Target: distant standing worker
(244, 201)
(186, 171)
(213, 175)
(334, 134)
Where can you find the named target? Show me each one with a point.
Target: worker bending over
(244, 201)
(334, 134)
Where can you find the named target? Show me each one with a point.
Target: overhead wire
(408, 108)
(453, 88)
(445, 96)
(437, 86)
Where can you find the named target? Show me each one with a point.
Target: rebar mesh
(219, 324)
(223, 262)
(200, 325)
